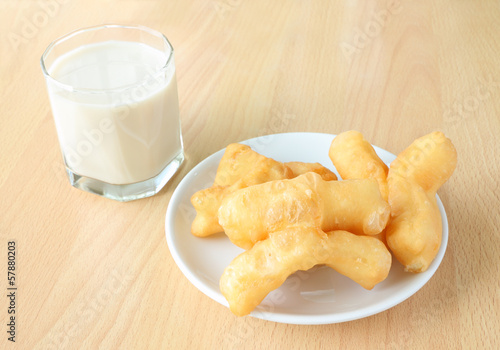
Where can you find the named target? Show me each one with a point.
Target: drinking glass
(113, 95)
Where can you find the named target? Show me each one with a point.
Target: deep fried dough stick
(355, 158)
(248, 215)
(258, 271)
(239, 167)
(240, 161)
(414, 233)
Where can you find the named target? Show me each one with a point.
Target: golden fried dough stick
(248, 215)
(429, 161)
(239, 167)
(206, 203)
(238, 161)
(414, 233)
(260, 270)
(355, 158)
(299, 168)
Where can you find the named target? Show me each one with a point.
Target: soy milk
(120, 122)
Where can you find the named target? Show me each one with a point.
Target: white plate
(318, 296)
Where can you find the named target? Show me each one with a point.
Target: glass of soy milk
(113, 94)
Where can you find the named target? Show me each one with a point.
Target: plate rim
(337, 317)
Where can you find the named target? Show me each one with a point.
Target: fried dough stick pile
(283, 223)
(281, 217)
(290, 217)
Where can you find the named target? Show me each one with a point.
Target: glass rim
(76, 32)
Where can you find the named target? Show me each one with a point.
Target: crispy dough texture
(355, 158)
(248, 215)
(240, 161)
(258, 271)
(299, 168)
(414, 232)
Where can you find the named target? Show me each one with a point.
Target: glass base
(127, 192)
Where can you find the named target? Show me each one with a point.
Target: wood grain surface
(94, 273)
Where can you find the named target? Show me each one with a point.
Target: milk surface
(120, 122)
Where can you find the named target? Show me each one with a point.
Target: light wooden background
(94, 273)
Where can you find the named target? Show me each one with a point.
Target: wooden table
(95, 273)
